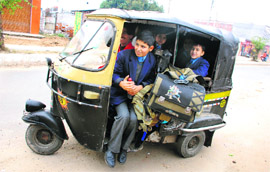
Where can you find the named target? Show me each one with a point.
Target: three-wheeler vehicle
(80, 80)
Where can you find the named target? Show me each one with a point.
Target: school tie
(141, 59)
(158, 46)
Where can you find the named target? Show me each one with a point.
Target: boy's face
(161, 39)
(142, 49)
(125, 38)
(196, 51)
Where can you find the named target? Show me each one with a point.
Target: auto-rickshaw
(81, 77)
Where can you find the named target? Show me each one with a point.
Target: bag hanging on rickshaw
(180, 100)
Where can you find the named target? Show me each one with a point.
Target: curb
(26, 60)
(20, 34)
(240, 60)
(33, 48)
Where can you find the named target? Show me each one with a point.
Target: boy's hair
(197, 43)
(147, 37)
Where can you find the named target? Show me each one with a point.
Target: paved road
(243, 145)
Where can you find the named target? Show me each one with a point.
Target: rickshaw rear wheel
(41, 140)
(191, 144)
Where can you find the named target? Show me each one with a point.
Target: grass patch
(61, 35)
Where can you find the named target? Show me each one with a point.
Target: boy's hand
(135, 90)
(127, 85)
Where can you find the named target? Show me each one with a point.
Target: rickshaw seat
(204, 81)
(208, 80)
(34, 105)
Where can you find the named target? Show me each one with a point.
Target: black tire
(41, 140)
(191, 144)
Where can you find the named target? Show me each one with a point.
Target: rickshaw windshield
(89, 48)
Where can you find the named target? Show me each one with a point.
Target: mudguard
(205, 120)
(44, 118)
(207, 123)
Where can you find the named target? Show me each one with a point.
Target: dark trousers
(124, 128)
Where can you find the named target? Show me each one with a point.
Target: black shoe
(109, 159)
(122, 157)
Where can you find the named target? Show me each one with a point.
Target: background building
(26, 19)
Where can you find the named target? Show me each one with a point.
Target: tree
(11, 6)
(259, 44)
(139, 5)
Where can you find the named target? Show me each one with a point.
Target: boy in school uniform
(197, 63)
(133, 70)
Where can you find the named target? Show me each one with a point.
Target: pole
(169, 7)
(211, 10)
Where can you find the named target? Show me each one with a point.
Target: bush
(259, 44)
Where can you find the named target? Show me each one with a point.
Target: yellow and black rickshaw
(80, 80)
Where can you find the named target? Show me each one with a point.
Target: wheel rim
(44, 137)
(193, 143)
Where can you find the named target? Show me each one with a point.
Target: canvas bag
(177, 99)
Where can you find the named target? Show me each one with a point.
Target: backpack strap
(144, 114)
(175, 73)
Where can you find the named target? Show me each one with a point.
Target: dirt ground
(241, 146)
(48, 41)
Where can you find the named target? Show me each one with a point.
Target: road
(243, 145)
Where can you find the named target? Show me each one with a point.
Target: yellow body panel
(103, 77)
(217, 95)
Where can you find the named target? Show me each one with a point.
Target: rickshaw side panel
(87, 119)
(224, 67)
(216, 103)
(88, 125)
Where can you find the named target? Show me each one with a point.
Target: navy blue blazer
(199, 67)
(126, 64)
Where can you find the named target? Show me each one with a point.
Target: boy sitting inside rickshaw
(197, 63)
(126, 38)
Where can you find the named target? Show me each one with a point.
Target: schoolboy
(197, 63)
(160, 39)
(133, 70)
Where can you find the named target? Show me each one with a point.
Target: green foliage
(139, 5)
(11, 5)
(60, 35)
(259, 44)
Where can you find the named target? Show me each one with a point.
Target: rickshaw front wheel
(189, 145)
(41, 140)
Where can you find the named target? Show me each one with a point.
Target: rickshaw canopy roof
(166, 18)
